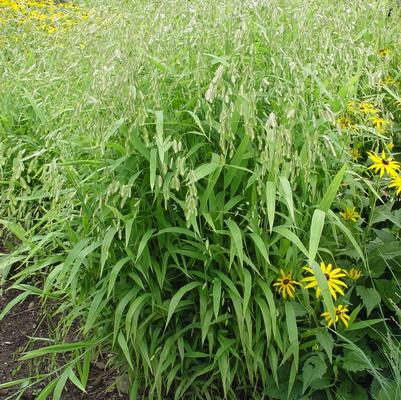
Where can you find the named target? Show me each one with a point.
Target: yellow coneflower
(344, 122)
(384, 52)
(340, 314)
(367, 108)
(354, 274)
(349, 214)
(387, 81)
(381, 164)
(285, 284)
(379, 123)
(333, 276)
(396, 184)
(355, 154)
(351, 106)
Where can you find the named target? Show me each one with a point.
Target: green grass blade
(316, 230)
(175, 300)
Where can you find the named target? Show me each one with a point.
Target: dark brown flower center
(385, 162)
(327, 276)
(338, 312)
(286, 281)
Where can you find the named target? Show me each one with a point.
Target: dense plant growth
(209, 191)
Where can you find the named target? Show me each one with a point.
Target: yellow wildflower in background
(396, 184)
(390, 146)
(381, 164)
(354, 274)
(285, 284)
(46, 15)
(384, 52)
(367, 108)
(355, 154)
(349, 214)
(379, 123)
(340, 314)
(344, 122)
(351, 106)
(388, 80)
(333, 276)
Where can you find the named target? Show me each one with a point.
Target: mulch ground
(25, 320)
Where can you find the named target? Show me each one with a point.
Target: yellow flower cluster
(46, 15)
(340, 313)
(349, 214)
(365, 110)
(383, 53)
(286, 286)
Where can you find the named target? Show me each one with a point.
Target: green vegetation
(162, 161)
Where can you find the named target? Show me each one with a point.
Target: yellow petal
(310, 285)
(333, 293)
(338, 282)
(308, 278)
(336, 288)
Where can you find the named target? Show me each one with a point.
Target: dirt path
(26, 320)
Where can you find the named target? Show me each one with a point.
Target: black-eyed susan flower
(379, 123)
(355, 154)
(354, 274)
(383, 53)
(42, 14)
(341, 313)
(367, 108)
(349, 214)
(387, 81)
(396, 184)
(344, 122)
(285, 284)
(351, 106)
(382, 164)
(333, 276)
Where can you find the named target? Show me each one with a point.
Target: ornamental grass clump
(167, 170)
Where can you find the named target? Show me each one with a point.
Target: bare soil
(28, 319)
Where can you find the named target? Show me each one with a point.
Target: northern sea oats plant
(175, 174)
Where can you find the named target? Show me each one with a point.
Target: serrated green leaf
(327, 342)
(313, 369)
(370, 297)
